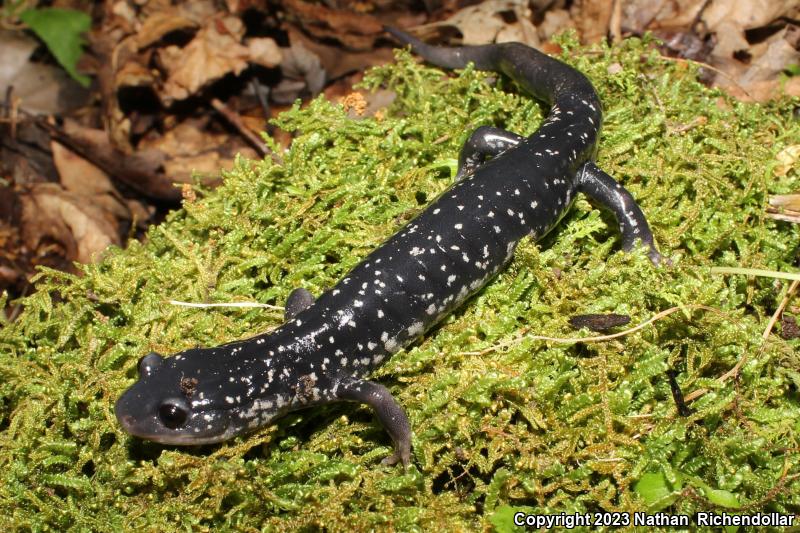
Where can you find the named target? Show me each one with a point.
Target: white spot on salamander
(415, 329)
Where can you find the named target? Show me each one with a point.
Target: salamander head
(190, 399)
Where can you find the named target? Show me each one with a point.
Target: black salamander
(508, 187)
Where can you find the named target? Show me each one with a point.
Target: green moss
(548, 426)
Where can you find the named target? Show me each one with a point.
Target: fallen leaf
(356, 31)
(785, 207)
(746, 14)
(481, 23)
(787, 158)
(264, 51)
(772, 57)
(49, 213)
(788, 201)
(42, 88)
(161, 22)
(521, 31)
(190, 150)
(301, 69)
(592, 18)
(79, 176)
(555, 21)
(335, 61)
(214, 52)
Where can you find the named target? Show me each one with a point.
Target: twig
(714, 69)
(226, 304)
(599, 338)
(793, 276)
(615, 22)
(236, 121)
(733, 372)
(764, 336)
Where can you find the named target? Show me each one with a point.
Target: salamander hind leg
(387, 409)
(484, 142)
(607, 192)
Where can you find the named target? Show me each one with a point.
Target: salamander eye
(173, 413)
(148, 363)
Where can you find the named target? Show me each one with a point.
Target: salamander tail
(485, 57)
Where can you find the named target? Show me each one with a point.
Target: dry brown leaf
(125, 11)
(771, 57)
(761, 80)
(591, 18)
(205, 164)
(42, 88)
(160, 23)
(746, 14)
(730, 39)
(198, 11)
(77, 174)
(787, 158)
(521, 31)
(51, 213)
(784, 207)
(301, 69)
(142, 170)
(190, 150)
(332, 62)
(186, 138)
(792, 86)
(481, 23)
(82, 178)
(356, 31)
(214, 52)
(639, 15)
(555, 21)
(264, 51)
(787, 201)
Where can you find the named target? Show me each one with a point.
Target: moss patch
(501, 421)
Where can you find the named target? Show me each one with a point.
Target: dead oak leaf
(81, 177)
(49, 213)
(214, 52)
(264, 51)
(481, 23)
(159, 24)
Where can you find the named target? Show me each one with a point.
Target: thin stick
(794, 276)
(571, 340)
(236, 121)
(226, 304)
(764, 336)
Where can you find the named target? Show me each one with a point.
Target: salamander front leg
(389, 412)
(484, 141)
(298, 300)
(607, 192)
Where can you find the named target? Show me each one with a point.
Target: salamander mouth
(179, 437)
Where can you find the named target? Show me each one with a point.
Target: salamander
(507, 188)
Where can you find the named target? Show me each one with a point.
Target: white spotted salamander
(508, 187)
